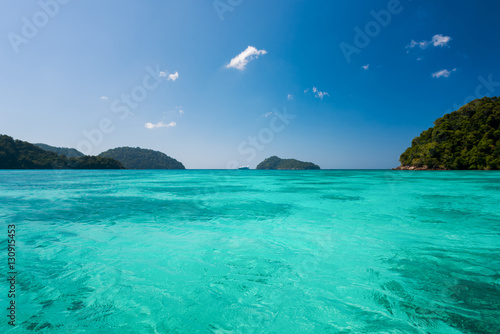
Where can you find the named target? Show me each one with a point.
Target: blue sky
(67, 68)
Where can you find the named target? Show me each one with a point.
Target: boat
(243, 167)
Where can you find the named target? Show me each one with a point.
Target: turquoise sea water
(253, 251)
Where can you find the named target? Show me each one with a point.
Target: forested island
(68, 152)
(468, 138)
(276, 163)
(140, 158)
(17, 154)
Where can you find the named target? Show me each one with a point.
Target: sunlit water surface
(253, 251)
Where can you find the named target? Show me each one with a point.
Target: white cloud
(240, 61)
(365, 67)
(440, 40)
(173, 77)
(443, 73)
(179, 110)
(319, 94)
(290, 97)
(423, 45)
(306, 90)
(104, 98)
(268, 114)
(159, 125)
(437, 40)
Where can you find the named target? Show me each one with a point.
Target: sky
(224, 83)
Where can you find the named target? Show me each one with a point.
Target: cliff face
(286, 164)
(468, 138)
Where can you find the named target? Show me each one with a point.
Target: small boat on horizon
(244, 167)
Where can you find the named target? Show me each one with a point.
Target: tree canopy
(468, 138)
(17, 154)
(68, 152)
(139, 158)
(276, 163)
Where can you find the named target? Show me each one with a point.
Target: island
(17, 154)
(68, 152)
(291, 164)
(466, 139)
(140, 158)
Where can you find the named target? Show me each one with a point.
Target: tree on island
(468, 138)
(17, 154)
(140, 158)
(276, 163)
(68, 152)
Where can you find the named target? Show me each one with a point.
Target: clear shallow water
(253, 251)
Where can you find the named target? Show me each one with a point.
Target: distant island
(17, 154)
(68, 152)
(276, 163)
(468, 138)
(140, 158)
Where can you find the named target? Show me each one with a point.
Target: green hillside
(468, 138)
(276, 163)
(139, 158)
(17, 154)
(68, 152)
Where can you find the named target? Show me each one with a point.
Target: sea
(250, 251)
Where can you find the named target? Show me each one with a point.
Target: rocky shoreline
(405, 167)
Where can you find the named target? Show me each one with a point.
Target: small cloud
(440, 40)
(173, 77)
(290, 97)
(437, 40)
(240, 61)
(163, 74)
(268, 114)
(419, 58)
(179, 110)
(366, 67)
(159, 125)
(103, 98)
(306, 90)
(319, 94)
(443, 73)
(423, 45)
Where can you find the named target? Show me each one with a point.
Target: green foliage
(276, 163)
(468, 138)
(91, 162)
(68, 152)
(17, 154)
(139, 158)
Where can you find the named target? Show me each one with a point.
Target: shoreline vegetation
(466, 139)
(275, 163)
(418, 168)
(18, 154)
(140, 158)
